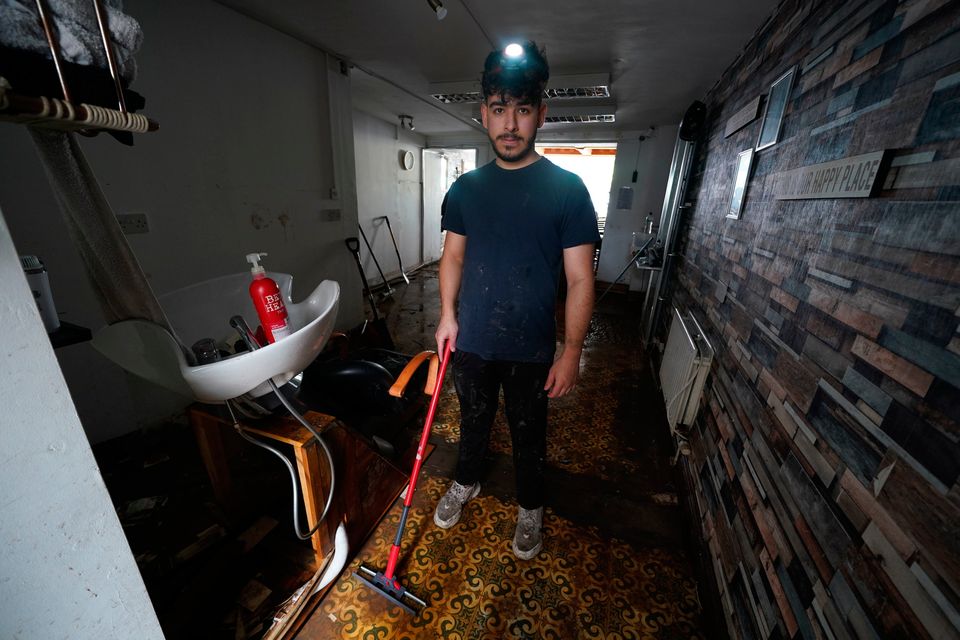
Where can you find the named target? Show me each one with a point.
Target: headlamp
(514, 56)
(513, 50)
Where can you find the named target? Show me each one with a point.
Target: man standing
(511, 226)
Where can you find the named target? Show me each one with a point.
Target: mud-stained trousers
(478, 384)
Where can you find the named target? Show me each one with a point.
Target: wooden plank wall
(825, 460)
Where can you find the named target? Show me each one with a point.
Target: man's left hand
(563, 374)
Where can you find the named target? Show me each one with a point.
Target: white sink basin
(204, 310)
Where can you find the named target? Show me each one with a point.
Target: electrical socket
(131, 223)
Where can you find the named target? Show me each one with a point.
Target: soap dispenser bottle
(268, 301)
(40, 287)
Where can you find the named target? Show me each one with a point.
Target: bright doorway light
(593, 162)
(441, 168)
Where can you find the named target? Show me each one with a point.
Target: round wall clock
(407, 160)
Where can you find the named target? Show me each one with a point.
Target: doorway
(441, 168)
(593, 162)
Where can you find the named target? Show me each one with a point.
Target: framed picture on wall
(740, 180)
(773, 112)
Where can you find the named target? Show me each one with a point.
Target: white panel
(703, 362)
(67, 571)
(677, 369)
(686, 362)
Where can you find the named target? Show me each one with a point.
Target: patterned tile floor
(581, 585)
(613, 565)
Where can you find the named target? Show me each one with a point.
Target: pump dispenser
(268, 301)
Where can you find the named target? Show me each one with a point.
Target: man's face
(512, 126)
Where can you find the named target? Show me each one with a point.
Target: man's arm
(451, 271)
(578, 268)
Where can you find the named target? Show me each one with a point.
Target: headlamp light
(514, 56)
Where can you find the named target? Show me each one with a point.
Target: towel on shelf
(26, 62)
(77, 32)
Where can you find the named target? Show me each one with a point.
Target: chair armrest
(404, 378)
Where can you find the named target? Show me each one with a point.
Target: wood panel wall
(825, 460)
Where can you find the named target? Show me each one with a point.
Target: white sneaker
(528, 540)
(451, 504)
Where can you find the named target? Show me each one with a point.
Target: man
(511, 226)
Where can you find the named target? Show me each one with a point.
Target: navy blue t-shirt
(517, 224)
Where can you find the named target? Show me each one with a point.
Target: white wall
(653, 167)
(384, 188)
(246, 159)
(66, 570)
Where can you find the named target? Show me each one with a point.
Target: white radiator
(686, 363)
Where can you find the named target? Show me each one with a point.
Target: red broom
(385, 583)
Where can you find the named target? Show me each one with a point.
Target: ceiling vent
(600, 91)
(457, 98)
(580, 114)
(596, 85)
(588, 119)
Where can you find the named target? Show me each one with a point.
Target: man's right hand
(447, 330)
(451, 271)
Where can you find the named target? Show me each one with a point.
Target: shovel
(395, 247)
(376, 262)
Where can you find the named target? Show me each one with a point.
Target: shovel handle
(353, 244)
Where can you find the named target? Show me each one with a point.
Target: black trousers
(478, 384)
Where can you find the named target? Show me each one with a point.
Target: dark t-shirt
(517, 224)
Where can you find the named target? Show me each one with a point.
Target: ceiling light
(438, 7)
(406, 122)
(513, 50)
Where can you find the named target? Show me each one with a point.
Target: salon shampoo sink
(203, 310)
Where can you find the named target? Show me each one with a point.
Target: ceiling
(660, 55)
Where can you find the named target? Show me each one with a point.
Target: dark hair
(523, 78)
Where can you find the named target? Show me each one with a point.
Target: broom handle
(427, 425)
(417, 464)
